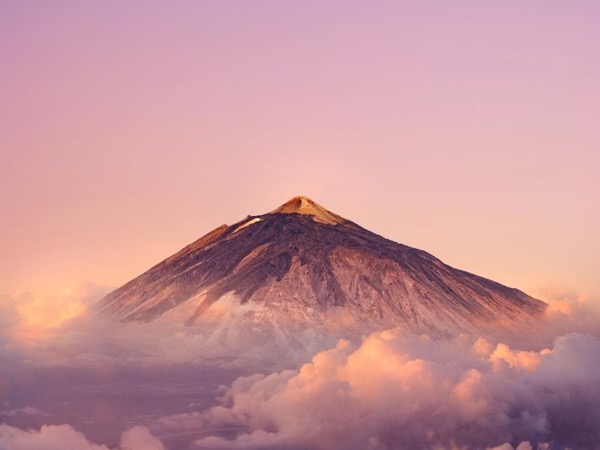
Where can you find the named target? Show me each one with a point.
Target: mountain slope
(302, 266)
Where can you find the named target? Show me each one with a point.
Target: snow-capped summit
(302, 267)
(306, 206)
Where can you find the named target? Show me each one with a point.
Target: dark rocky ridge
(305, 265)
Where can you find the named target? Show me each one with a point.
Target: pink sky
(468, 129)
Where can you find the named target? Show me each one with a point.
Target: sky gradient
(467, 129)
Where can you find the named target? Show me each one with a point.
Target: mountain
(304, 267)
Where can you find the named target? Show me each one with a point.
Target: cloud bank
(390, 391)
(63, 330)
(49, 437)
(396, 391)
(64, 437)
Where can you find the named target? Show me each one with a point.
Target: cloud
(62, 330)
(6, 410)
(396, 391)
(27, 317)
(392, 390)
(140, 438)
(522, 446)
(49, 437)
(568, 312)
(64, 437)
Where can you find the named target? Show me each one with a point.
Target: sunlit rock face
(303, 267)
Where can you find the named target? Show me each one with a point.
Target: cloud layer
(390, 391)
(396, 391)
(64, 437)
(63, 331)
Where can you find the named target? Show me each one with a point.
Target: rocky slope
(303, 267)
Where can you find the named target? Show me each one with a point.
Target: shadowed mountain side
(302, 266)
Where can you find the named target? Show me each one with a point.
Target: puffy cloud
(522, 446)
(569, 312)
(27, 318)
(62, 330)
(399, 391)
(49, 437)
(391, 390)
(140, 438)
(528, 361)
(64, 437)
(505, 446)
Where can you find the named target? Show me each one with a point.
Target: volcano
(302, 267)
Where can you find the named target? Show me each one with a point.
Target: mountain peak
(305, 206)
(312, 269)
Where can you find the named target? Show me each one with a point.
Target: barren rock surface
(302, 266)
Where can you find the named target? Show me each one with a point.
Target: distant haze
(467, 129)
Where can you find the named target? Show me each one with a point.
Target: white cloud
(391, 391)
(399, 391)
(61, 330)
(64, 437)
(140, 438)
(49, 437)
(522, 446)
(569, 312)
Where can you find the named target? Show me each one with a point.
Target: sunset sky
(468, 129)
